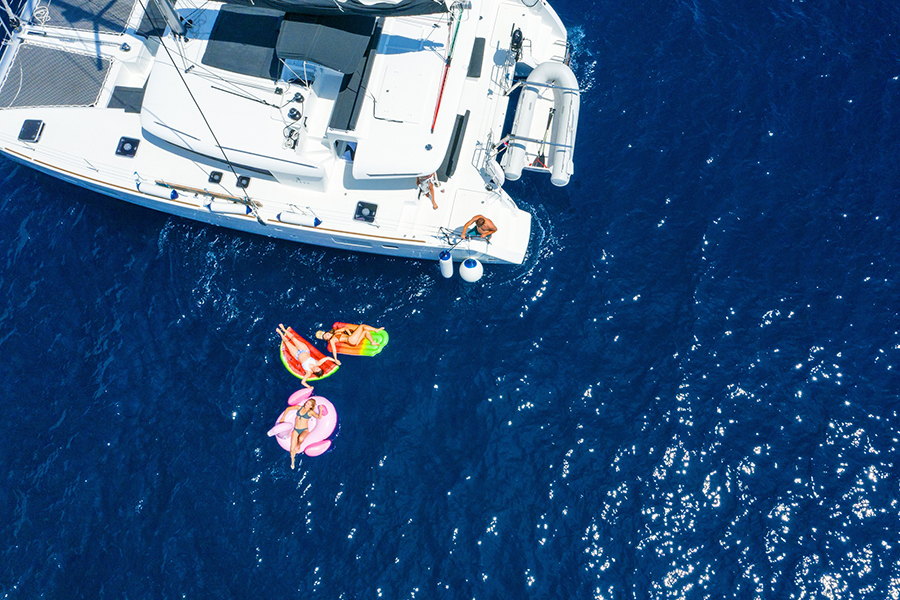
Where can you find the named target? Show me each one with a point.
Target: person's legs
(296, 442)
(294, 346)
(357, 336)
(295, 445)
(297, 351)
(287, 338)
(363, 331)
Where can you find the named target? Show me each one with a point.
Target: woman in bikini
(299, 350)
(352, 335)
(301, 424)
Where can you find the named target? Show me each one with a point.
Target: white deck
(394, 138)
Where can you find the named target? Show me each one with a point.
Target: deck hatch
(31, 130)
(127, 147)
(365, 211)
(477, 59)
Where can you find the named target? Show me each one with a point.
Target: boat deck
(83, 74)
(100, 16)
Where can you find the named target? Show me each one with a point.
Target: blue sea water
(688, 390)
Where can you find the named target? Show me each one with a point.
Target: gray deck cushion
(129, 98)
(243, 41)
(388, 8)
(338, 43)
(352, 93)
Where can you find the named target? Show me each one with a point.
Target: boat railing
(9, 18)
(543, 85)
(522, 138)
(566, 51)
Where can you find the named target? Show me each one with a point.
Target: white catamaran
(371, 126)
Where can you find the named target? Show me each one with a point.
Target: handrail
(512, 137)
(545, 85)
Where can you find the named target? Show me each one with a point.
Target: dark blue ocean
(688, 390)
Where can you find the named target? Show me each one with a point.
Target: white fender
(228, 208)
(566, 100)
(157, 191)
(446, 262)
(471, 270)
(299, 218)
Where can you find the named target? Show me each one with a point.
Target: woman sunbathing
(301, 424)
(299, 350)
(352, 335)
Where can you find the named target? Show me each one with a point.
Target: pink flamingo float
(317, 441)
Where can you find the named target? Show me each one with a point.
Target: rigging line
(247, 200)
(196, 10)
(447, 234)
(9, 11)
(245, 96)
(250, 204)
(305, 83)
(207, 74)
(452, 41)
(202, 70)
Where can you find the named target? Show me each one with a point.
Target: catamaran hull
(317, 236)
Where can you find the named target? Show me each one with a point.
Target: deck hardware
(127, 147)
(31, 130)
(365, 211)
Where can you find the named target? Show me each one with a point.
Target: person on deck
(299, 350)
(426, 186)
(484, 227)
(351, 335)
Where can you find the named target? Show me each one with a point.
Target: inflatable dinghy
(548, 106)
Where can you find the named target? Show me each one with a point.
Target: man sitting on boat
(484, 227)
